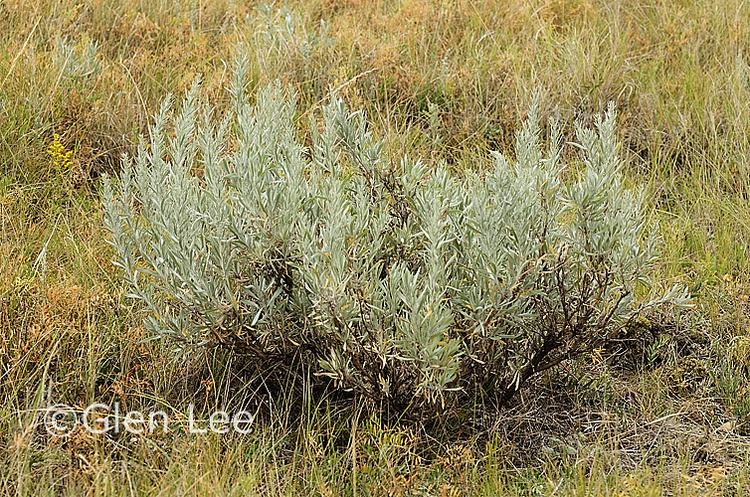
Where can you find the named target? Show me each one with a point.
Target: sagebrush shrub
(407, 284)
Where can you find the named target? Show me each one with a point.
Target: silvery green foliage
(406, 284)
(76, 61)
(281, 38)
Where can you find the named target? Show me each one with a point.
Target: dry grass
(442, 80)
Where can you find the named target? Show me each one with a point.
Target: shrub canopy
(406, 284)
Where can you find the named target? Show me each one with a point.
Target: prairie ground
(445, 81)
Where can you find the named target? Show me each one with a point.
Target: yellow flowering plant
(62, 158)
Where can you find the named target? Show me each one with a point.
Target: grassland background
(440, 80)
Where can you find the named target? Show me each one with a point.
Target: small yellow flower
(62, 158)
